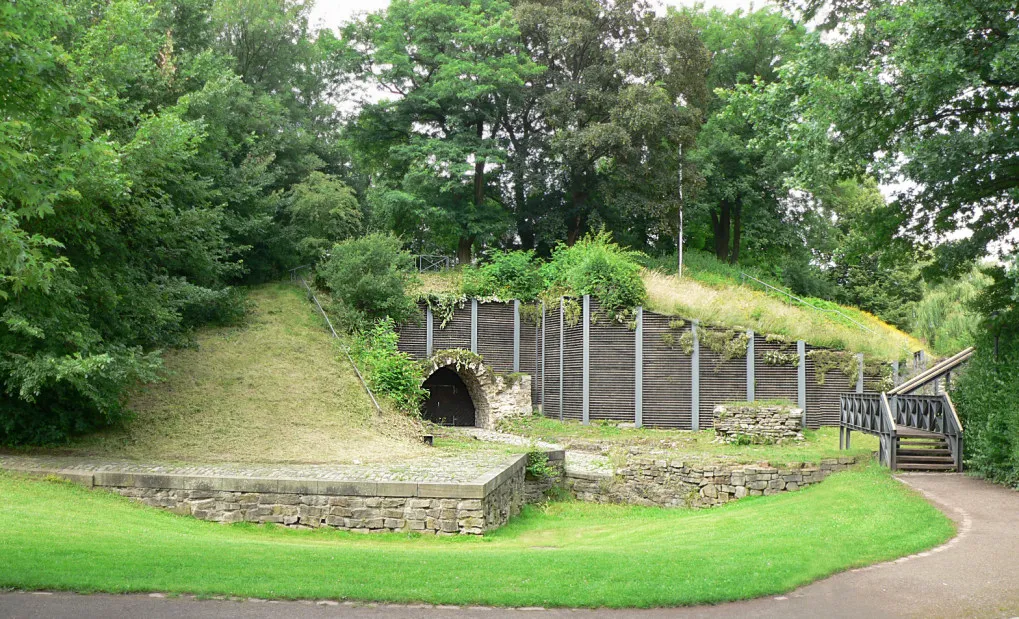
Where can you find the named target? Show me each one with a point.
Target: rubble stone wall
(662, 483)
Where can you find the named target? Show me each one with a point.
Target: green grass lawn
(59, 536)
(690, 446)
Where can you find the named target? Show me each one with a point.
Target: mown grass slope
(716, 294)
(276, 389)
(57, 536)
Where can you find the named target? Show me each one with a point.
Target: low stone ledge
(660, 483)
(364, 506)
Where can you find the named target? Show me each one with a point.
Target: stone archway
(494, 395)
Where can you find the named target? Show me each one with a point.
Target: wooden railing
(953, 431)
(923, 412)
(870, 413)
(876, 413)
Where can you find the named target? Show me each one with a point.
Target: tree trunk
(720, 223)
(463, 249)
(479, 171)
(465, 244)
(737, 231)
(575, 224)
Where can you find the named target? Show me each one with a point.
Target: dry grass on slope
(746, 307)
(273, 390)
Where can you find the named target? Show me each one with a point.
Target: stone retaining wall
(538, 490)
(661, 483)
(427, 508)
(757, 423)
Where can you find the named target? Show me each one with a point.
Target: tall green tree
(449, 67)
(922, 91)
(743, 174)
(140, 176)
(594, 139)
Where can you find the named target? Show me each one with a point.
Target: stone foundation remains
(757, 423)
(661, 483)
(370, 507)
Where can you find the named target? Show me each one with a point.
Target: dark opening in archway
(449, 402)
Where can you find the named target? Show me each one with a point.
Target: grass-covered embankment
(59, 536)
(275, 389)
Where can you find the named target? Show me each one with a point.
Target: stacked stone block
(757, 424)
(662, 483)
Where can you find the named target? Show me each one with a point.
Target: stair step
(907, 458)
(923, 452)
(907, 466)
(910, 439)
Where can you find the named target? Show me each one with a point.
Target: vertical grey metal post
(750, 366)
(895, 373)
(586, 419)
(428, 331)
(801, 379)
(562, 345)
(695, 379)
(859, 373)
(516, 335)
(638, 370)
(474, 326)
(542, 400)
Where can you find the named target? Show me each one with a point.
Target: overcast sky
(332, 13)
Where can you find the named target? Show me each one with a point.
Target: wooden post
(695, 380)
(859, 373)
(801, 379)
(638, 369)
(895, 373)
(428, 332)
(562, 345)
(750, 366)
(542, 398)
(516, 335)
(586, 383)
(474, 326)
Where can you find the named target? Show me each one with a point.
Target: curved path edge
(975, 574)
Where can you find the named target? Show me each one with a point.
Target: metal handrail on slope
(808, 304)
(346, 351)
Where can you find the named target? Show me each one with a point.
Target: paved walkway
(577, 461)
(435, 468)
(974, 575)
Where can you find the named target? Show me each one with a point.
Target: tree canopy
(157, 154)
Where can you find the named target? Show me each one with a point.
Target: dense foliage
(599, 267)
(506, 275)
(390, 373)
(155, 154)
(987, 394)
(147, 153)
(368, 279)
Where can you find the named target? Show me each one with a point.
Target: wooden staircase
(917, 450)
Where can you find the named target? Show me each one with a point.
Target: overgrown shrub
(508, 275)
(599, 267)
(368, 278)
(987, 399)
(390, 373)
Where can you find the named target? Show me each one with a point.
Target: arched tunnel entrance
(448, 403)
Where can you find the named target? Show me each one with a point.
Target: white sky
(332, 13)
